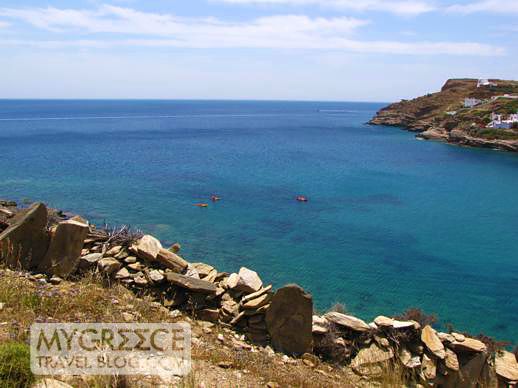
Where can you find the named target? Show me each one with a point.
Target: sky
(345, 50)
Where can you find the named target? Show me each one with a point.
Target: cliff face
(442, 115)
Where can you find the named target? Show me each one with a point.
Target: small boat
(302, 198)
(201, 205)
(215, 198)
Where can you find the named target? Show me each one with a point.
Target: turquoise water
(391, 223)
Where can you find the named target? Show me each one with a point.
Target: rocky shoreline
(55, 246)
(442, 116)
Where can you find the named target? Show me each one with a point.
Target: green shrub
(15, 369)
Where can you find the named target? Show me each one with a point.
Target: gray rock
(89, 261)
(67, 241)
(192, 284)
(108, 265)
(147, 248)
(371, 361)
(248, 281)
(155, 276)
(171, 260)
(347, 321)
(289, 320)
(24, 244)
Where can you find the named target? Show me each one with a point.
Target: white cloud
(402, 7)
(4, 24)
(166, 30)
(494, 6)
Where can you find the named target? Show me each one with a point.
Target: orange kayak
(201, 205)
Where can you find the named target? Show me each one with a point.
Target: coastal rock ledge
(465, 112)
(70, 247)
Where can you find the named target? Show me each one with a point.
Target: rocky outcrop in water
(442, 116)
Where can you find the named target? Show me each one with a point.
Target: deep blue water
(392, 222)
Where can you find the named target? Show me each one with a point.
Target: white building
(484, 82)
(471, 102)
(497, 121)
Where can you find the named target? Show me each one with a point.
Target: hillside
(443, 116)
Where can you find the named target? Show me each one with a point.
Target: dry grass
(93, 300)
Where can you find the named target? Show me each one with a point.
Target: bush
(15, 369)
(415, 314)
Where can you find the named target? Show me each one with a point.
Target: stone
(203, 269)
(51, 383)
(114, 251)
(506, 365)
(408, 360)
(171, 260)
(155, 276)
(191, 284)
(25, 242)
(370, 361)
(320, 325)
(249, 281)
(289, 320)
(89, 261)
(310, 360)
(55, 280)
(445, 337)
(192, 272)
(257, 294)
(432, 342)
(469, 345)
(210, 315)
(108, 265)
(136, 266)
(428, 368)
(140, 280)
(459, 337)
(65, 247)
(232, 280)
(471, 369)
(130, 260)
(347, 321)
(257, 302)
(122, 274)
(147, 248)
(451, 360)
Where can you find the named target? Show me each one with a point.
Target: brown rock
(190, 283)
(506, 366)
(289, 320)
(370, 361)
(89, 261)
(347, 321)
(25, 243)
(432, 342)
(257, 302)
(148, 247)
(255, 295)
(428, 368)
(451, 360)
(108, 265)
(65, 247)
(468, 345)
(171, 260)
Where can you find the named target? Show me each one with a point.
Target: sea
(391, 223)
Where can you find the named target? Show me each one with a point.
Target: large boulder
(148, 247)
(289, 320)
(66, 243)
(25, 243)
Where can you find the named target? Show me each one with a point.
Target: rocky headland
(460, 113)
(51, 248)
